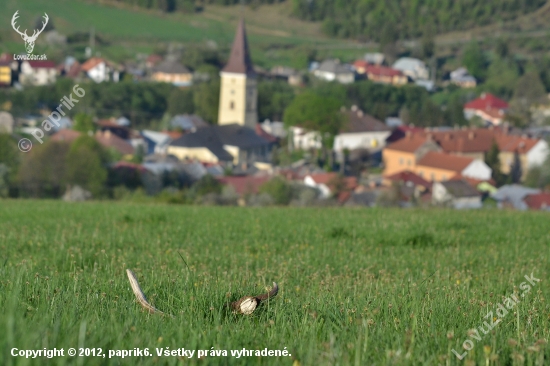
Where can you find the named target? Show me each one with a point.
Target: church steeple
(239, 88)
(239, 61)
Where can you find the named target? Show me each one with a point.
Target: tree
(516, 171)
(492, 159)
(181, 101)
(529, 90)
(206, 185)
(273, 98)
(316, 113)
(83, 123)
(428, 41)
(206, 99)
(474, 60)
(279, 190)
(84, 168)
(539, 176)
(502, 76)
(42, 171)
(9, 163)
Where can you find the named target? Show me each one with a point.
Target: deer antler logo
(29, 41)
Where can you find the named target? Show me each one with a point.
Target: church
(234, 140)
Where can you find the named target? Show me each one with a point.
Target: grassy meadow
(357, 287)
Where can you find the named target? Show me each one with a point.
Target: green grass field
(357, 287)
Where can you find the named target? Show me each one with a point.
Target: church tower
(239, 90)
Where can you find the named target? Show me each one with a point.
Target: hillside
(374, 19)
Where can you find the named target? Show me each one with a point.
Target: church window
(232, 105)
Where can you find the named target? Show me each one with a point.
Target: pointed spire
(239, 61)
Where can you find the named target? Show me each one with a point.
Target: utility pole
(92, 39)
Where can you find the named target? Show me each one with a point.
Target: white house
(274, 128)
(537, 154)
(333, 70)
(99, 70)
(462, 78)
(303, 139)
(361, 131)
(412, 67)
(38, 72)
(457, 194)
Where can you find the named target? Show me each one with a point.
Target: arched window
(232, 105)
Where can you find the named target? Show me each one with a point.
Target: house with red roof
(328, 185)
(404, 153)
(100, 70)
(38, 72)
(538, 201)
(380, 74)
(438, 166)
(489, 108)
(408, 178)
(244, 185)
(468, 142)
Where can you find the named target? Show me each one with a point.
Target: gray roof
(363, 199)
(171, 67)
(408, 63)
(214, 138)
(335, 67)
(460, 189)
(514, 194)
(188, 122)
(358, 121)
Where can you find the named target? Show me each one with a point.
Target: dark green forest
(384, 21)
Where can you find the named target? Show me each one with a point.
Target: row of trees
(373, 19)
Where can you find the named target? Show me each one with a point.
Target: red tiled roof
(408, 176)
(440, 160)
(110, 140)
(382, 71)
(128, 165)
(263, 134)
(401, 131)
(537, 201)
(328, 179)
(42, 64)
(474, 140)
(487, 101)
(6, 57)
(513, 143)
(410, 143)
(244, 185)
(154, 59)
(65, 135)
(473, 182)
(174, 135)
(91, 63)
(107, 123)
